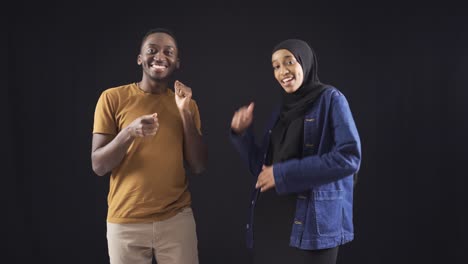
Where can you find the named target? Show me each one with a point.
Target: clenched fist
(183, 95)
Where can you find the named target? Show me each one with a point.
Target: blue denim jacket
(322, 179)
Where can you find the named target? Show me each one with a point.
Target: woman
(304, 169)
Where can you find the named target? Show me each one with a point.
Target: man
(144, 133)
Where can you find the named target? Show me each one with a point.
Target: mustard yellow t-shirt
(150, 183)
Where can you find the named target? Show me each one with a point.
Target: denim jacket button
(247, 226)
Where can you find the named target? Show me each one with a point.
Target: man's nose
(158, 56)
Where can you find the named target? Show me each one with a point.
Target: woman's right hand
(242, 119)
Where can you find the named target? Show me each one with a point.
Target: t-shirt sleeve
(104, 116)
(196, 117)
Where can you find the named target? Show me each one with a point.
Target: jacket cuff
(278, 174)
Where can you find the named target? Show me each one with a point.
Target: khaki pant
(172, 241)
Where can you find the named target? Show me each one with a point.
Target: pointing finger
(148, 119)
(250, 108)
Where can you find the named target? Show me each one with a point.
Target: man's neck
(154, 87)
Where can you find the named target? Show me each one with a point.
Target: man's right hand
(143, 126)
(242, 118)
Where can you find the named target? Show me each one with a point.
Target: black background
(402, 67)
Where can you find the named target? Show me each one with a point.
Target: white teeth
(158, 66)
(287, 79)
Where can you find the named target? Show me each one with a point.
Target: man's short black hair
(159, 30)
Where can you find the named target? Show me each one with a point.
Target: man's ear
(139, 60)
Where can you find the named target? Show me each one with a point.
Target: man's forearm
(195, 150)
(109, 156)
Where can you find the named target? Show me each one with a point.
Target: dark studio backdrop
(401, 66)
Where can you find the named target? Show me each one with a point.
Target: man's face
(158, 56)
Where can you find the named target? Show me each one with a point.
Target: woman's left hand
(266, 179)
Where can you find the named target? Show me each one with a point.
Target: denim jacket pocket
(329, 212)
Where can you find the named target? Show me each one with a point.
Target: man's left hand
(183, 95)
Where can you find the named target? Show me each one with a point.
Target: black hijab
(287, 134)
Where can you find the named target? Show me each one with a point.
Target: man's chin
(159, 78)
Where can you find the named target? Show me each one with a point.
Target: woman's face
(287, 70)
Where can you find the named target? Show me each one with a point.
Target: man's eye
(150, 51)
